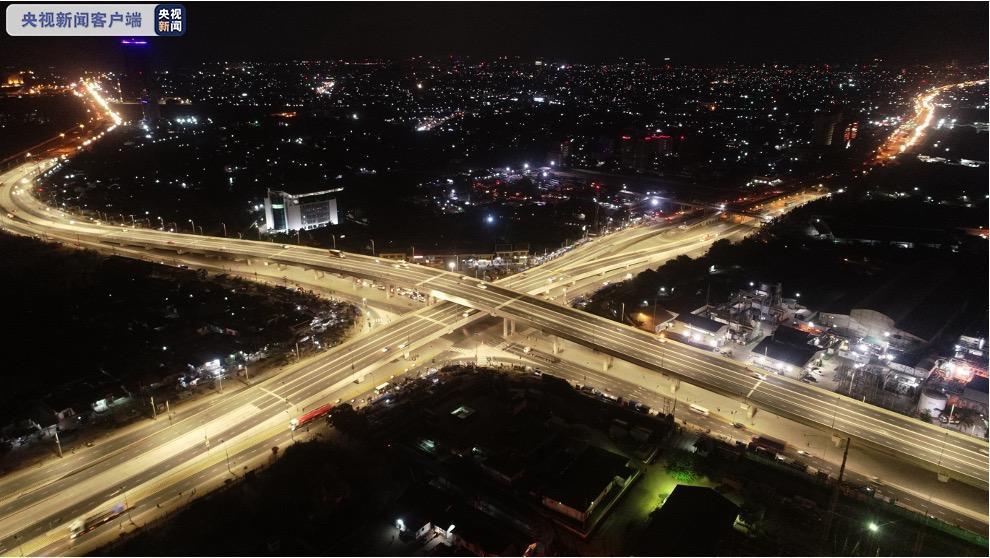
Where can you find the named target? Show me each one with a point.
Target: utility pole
(835, 498)
(154, 411)
(169, 411)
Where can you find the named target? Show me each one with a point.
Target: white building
(290, 212)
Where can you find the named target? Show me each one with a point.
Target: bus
(698, 409)
(321, 411)
(337, 253)
(82, 526)
(381, 389)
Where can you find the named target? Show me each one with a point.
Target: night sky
(705, 32)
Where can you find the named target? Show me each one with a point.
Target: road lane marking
(758, 382)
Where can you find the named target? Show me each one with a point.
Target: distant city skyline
(572, 32)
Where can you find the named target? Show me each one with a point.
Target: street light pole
(193, 223)
(224, 229)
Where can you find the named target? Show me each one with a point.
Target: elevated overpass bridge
(951, 454)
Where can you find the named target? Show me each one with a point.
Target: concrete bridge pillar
(556, 345)
(606, 362)
(674, 385)
(512, 327)
(505, 327)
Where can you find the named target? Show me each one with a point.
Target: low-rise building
(584, 482)
(692, 521)
(700, 329)
(786, 350)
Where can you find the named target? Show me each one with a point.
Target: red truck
(316, 413)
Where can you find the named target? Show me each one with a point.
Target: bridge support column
(556, 346)
(512, 327)
(388, 291)
(606, 362)
(675, 384)
(943, 478)
(505, 327)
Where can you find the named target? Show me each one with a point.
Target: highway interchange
(954, 454)
(37, 504)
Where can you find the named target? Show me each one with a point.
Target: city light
(341, 338)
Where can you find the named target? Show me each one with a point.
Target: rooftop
(795, 355)
(583, 479)
(700, 322)
(691, 522)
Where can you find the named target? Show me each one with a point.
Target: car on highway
(285, 246)
(738, 425)
(758, 376)
(384, 349)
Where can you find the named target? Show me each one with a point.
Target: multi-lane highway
(951, 454)
(38, 503)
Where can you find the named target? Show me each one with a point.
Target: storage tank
(932, 400)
